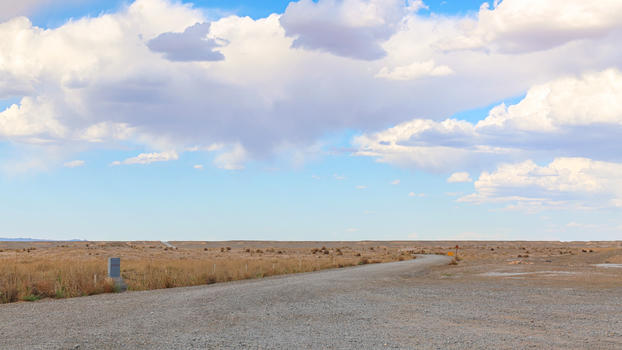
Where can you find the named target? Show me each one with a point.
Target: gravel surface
(396, 306)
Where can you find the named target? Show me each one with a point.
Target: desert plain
(35, 270)
(369, 295)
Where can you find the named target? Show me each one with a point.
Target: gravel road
(395, 305)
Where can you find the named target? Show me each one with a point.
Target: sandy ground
(580, 264)
(556, 295)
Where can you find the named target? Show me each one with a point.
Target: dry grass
(27, 278)
(30, 271)
(55, 270)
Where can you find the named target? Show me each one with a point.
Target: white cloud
(576, 182)
(413, 194)
(108, 87)
(414, 70)
(349, 28)
(339, 177)
(232, 159)
(393, 145)
(571, 116)
(148, 158)
(361, 187)
(32, 120)
(530, 25)
(459, 177)
(74, 164)
(591, 99)
(105, 131)
(198, 166)
(575, 120)
(395, 182)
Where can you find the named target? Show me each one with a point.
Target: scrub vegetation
(32, 271)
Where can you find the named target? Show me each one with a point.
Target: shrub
(30, 297)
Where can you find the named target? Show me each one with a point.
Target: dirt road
(394, 305)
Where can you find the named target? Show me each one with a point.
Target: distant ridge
(37, 240)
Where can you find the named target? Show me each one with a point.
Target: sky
(311, 120)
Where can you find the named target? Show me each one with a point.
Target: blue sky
(338, 120)
(55, 15)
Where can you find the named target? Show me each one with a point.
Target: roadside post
(114, 267)
(114, 272)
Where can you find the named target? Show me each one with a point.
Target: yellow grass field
(31, 271)
(34, 270)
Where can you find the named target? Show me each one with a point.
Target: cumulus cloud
(32, 120)
(529, 25)
(577, 182)
(349, 28)
(148, 158)
(394, 145)
(459, 177)
(191, 45)
(571, 116)
(74, 164)
(414, 71)
(108, 86)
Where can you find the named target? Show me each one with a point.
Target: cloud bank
(158, 76)
(565, 182)
(517, 26)
(575, 120)
(571, 116)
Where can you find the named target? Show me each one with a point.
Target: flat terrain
(514, 295)
(414, 304)
(37, 270)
